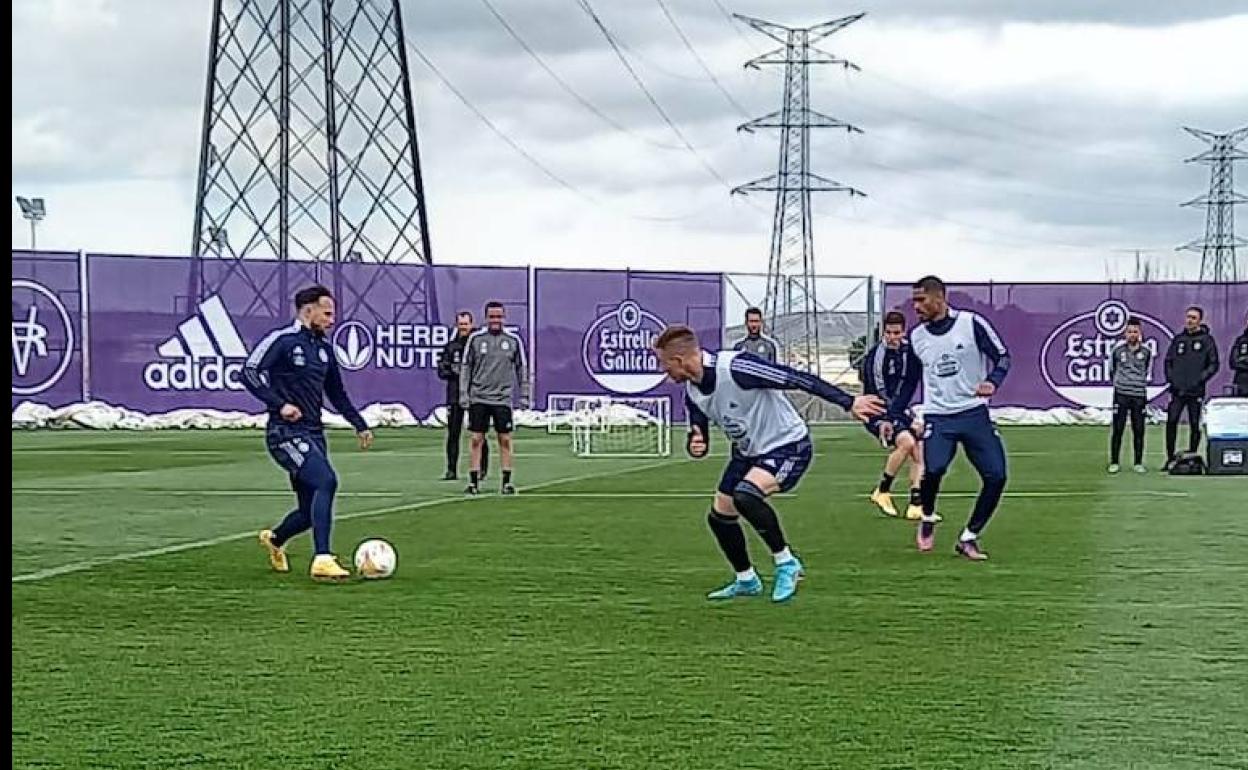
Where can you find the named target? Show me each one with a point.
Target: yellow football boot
(277, 555)
(326, 567)
(885, 502)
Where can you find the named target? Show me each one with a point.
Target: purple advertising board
(170, 333)
(595, 328)
(47, 360)
(1060, 335)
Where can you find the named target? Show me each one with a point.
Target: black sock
(916, 496)
(506, 477)
(751, 503)
(886, 482)
(475, 476)
(928, 491)
(727, 531)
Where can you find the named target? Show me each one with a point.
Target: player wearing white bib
(771, 448)
(964, 362)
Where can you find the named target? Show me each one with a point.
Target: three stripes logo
(206, 353)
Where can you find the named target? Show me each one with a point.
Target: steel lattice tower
(1218, 261)
(309, 153)
(790, 307)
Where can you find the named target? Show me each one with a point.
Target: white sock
(746, 576)
(968, 535)
(782, 556)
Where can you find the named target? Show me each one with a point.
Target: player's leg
(907, 441)
(1194, 405)
(485, 460)
(986, 452)
(725, 524)
(317, 484)
(778, 471)
(1138, 427)
(283, 447)
(1115, 434)
(939, 446)
(318, 475)
(297, 521)
(882, 494)
(454, 431)
(503, 428)
(1173, 412)
(478, 424)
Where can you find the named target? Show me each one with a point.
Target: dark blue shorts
(900, 423)
(787, 463)
(977, 435)
(295, 448)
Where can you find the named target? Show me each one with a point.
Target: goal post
(621, 426)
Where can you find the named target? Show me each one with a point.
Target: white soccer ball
(375, 559)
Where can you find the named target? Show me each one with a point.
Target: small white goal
(620, 426)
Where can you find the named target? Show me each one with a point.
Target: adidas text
(194, 374)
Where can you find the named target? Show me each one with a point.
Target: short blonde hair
(676, 336)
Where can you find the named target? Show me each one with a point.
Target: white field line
(69, 491)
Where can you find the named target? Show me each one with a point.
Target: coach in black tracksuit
(449, 365)
(1191, 362)
(1239, 363)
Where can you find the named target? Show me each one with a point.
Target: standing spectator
(449, 364)
(1239, 362)
(1129, 366)
(1191, 362)
(493, 366)
(754, 340)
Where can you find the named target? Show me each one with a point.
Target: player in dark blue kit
(892, 371)
(291, 371)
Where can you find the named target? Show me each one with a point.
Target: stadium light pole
(33, 211)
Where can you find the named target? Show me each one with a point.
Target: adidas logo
(206, 353)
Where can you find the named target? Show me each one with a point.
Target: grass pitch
(566, 627)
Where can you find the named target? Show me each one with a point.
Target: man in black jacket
(449, 365)
(1191, 362)
(1239, 362)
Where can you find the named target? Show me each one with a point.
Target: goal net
(621, 426)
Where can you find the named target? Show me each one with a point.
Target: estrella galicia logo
(1076, 357)
(618, 349)
(353, 345)
(43, 338)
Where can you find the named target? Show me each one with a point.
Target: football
(375, 559)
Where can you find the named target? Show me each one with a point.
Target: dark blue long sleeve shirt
(751, 372)
(893, 375)
(294, 365)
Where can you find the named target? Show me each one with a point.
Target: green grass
(566, 628)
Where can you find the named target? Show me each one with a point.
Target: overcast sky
(1003, 139)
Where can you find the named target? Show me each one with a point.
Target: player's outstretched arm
(698, 440)
(751, 372)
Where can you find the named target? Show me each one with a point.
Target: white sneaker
(1140, 469)
(1113, 468)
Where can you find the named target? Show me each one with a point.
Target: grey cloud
(127, 101)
